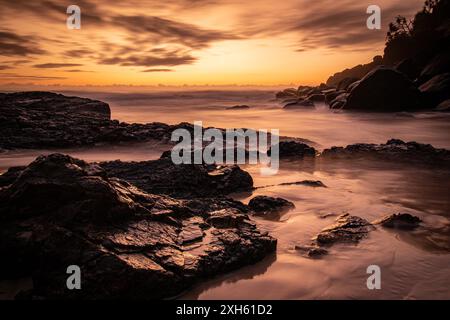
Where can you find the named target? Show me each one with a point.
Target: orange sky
(193, 42)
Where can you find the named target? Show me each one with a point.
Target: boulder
(443, 106)
(264, 205)
(299, 104)
(128, 243)
(404, 221)
(436, 90)
(347, 228)
(346, 82)
(339, 101)
(384, 90)
(289, 149)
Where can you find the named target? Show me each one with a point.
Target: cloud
(56, 65)
(4, 67)
(157, 70)
(149, 60)
(25, 77)
(171, 31)
(77, 70)
(12, 44)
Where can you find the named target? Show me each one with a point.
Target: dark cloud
(157, 70)
(5, 67)
(25, 77)
(56, 65)
(149, 60)
(12, 44)
(77, 70)
(171, 31)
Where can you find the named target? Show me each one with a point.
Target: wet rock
(339, 101)
(309, 183)
(311, 251)
(393, 150)
(346, 228)
(128, 243)
(329, 97)
(48, 120)
(162, 176)
(288, 149)
(10, 175)
(264, 205)
(384, 89)
(399, 221)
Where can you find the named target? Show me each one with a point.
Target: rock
(357, 72)
(399, 221)
(346, 82)
(128, 243)
(40, 120)
(162, 176)
(10, 176)
(443, 106)
(288, 93)
(409, 68)
(394, 150)
(289, 149)
(309, 183)
(386, 90)
(339, 101)
(311, 251)
(299, 104)
(238, 107)
(333, 95)
(439, 64)
(317, 97)
(437, 89)
(346, 228)
(264, 205)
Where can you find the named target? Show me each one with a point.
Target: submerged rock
(311, 251)
(128, 243)
(399, 221)
(392, 150)
(263, 205)
(346, 228)
(288, 149)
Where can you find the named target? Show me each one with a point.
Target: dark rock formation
(444, 106)
(384, 89)
(346, 82)
(393, 150)
(346, 228)
(404, 221)
(128, 243)
(162, 176)
(339, 102)
(357, 72)
(49, 120)
(299, 104)
(436, 90)
(263, 205)
(294, 149)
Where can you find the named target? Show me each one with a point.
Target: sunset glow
(180, 42)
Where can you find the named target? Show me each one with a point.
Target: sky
(189, 42)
